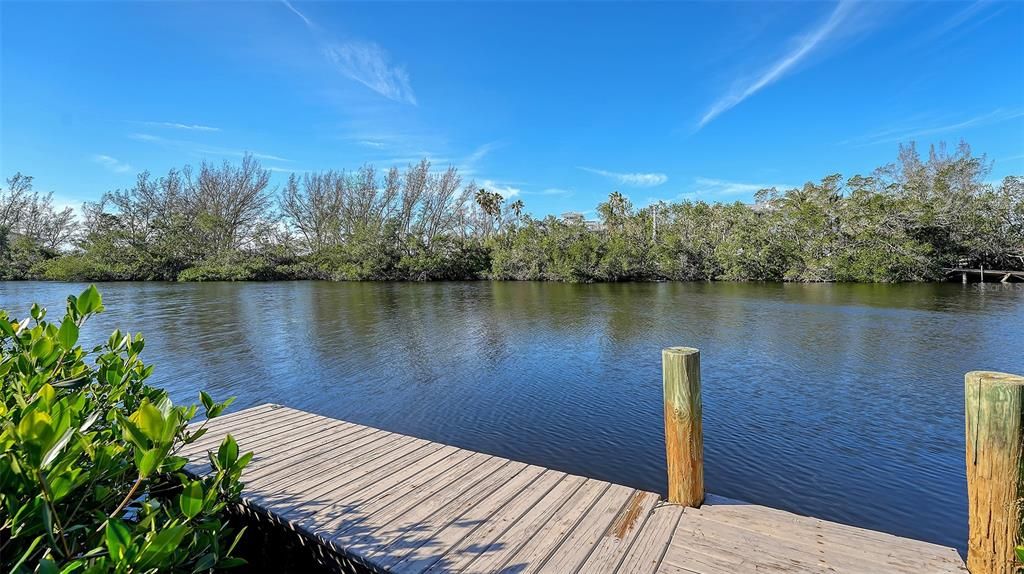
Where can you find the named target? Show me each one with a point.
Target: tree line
(906, 221)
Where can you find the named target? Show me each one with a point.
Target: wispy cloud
(365, 62)
(961, 18)
(719, 188)
(506, 190)
(549, 191)
(181, 126)
(309, 23)
(469, 165)
(480, 152)
(368, 64)
(746, 87)
(203, 149)
(277, 169)
(413, 159)
(256, 155)
(631, 179)
(113, 164)
(146, 138)
(555, 191)
(904, 133)
(373, 144)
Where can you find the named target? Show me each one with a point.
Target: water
(843, 402)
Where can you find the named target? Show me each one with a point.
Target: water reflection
(838, 401)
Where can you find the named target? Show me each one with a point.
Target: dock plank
(364, 501)
(419, 527)
(413, 493)
(612, 547)
(408, 505)
(491, 557)
(303, 492)
(484, 538)
(651, 544)
(270, 450)
(443, 541)
(251, 427)
(545, 540)
(833, 543)
(587, 535)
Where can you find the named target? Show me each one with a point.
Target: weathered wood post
(995, 446)
(684, 435)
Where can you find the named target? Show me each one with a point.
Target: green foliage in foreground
(90, 475)
(906, 221)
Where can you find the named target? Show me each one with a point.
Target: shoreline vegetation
(91, 457)
(906, 221)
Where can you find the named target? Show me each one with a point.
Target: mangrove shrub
(90, 470)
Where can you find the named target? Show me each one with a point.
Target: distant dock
(982, 275)
(377, 501)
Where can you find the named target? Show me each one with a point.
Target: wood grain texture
(394, 503)
(684, 434)
(995, 444)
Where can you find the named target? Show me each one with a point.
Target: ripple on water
(837, 401)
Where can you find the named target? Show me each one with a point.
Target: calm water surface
(843, 402)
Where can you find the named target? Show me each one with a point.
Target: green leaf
(73, 566)
(227, 454)
(29, 550)
(19, 327)
(166, 540)
(35, 426)
(195, 436)
(172, 422)
(48, 524)
(118, 538)
(206, 400)
(57, 447)
(174, 463)
(232, 562)
(47, 394)
(150, 420)
(47, 566)
(148, 461)
(62, 484)
(191, 499)
(207, 562)
(7, 327)
(131, 431)
(67, 336)
(244, 461)
(89, 301)
(238, 538)
(42, 348)
(1020, 553)
(89, 421)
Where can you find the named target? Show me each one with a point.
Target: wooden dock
(1000, 275)
(386, 502)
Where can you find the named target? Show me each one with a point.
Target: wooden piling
(995, 479)
(684, 435)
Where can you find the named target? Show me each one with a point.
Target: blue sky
(555, 103)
